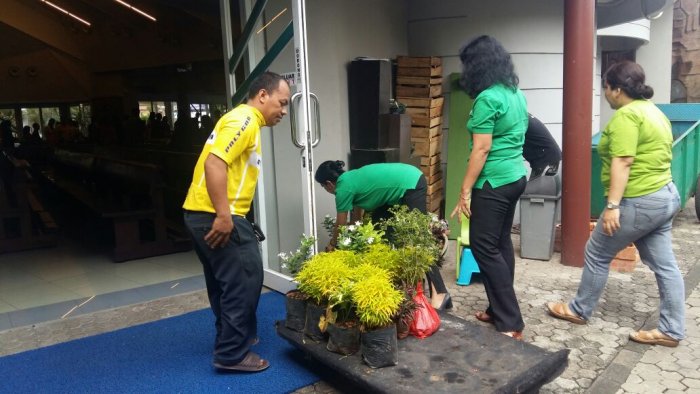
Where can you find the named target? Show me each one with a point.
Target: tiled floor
(32, 281)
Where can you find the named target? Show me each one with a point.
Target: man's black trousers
(234, 277)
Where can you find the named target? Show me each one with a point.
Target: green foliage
(293, 261)
(358, 237)
(329, 224)
(376, 300)
(409, 228)
(323, 275)
(411, 233)
(415, 261)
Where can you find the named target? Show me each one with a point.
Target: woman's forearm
(477, 159)
(619, 175)
(340, 220)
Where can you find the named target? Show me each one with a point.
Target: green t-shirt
(502, 112)
(640, 130)
(374, 185)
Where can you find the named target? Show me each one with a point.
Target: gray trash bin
(538, 210)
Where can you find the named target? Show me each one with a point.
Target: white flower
(345, 241)
(284, 266)
(358, 223)
(370, 240)
(282, 255)
(351, 227)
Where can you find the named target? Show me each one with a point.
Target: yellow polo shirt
(236, 140)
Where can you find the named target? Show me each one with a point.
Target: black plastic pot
(313, 317)
(343, 340)
(380, 347)
(296, 310)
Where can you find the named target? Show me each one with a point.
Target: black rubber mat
(462, 357)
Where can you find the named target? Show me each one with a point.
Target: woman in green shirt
(495, 176)
(376, 188)
(635, 150)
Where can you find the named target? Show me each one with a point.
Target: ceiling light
(131, 7)
(81, 20)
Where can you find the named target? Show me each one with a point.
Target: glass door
(285, 200)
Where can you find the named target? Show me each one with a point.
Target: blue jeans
(646, 222)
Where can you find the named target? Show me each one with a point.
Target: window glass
(81, 115)
(173, 105)
(31, 115)
(49, 113)
(8, 114)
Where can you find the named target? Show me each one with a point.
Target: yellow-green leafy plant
(322, 275)
(383, 256)
(376, 300)
(341, 304)
(347, 256)
(366, 270)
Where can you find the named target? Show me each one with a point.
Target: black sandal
(250, 363)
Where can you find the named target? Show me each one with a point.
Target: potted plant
(343, 326)
(320, 278)
(376, 302)
(413, 234)
(407, 309)
(295, 301)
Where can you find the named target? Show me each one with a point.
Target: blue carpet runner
(172, 355)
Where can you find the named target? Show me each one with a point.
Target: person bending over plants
(376, 188)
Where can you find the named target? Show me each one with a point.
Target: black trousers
(234, 277)
(415, 198)
(489, 237)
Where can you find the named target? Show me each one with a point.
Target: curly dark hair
(329, 171)
(485, 63)
(628, 76)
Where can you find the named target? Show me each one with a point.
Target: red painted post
(579, 32)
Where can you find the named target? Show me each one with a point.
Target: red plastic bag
(425, 319)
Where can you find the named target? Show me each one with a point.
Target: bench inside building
(128, 195)
(24, 223)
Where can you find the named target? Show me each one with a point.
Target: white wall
(656, 56)
(340, 31)
(532, 31)
(656, 59)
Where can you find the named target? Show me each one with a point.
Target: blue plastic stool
(466, 264)
(466, 267)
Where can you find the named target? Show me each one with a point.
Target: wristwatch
(612, 205)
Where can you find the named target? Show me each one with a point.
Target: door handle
(316, 114)
(317, 111)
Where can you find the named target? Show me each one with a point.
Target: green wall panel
(457, 148)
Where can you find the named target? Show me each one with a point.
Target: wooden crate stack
(419, 88)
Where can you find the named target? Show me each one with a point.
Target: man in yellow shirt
(222, 189)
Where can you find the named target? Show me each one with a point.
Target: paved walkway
(602, 359)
